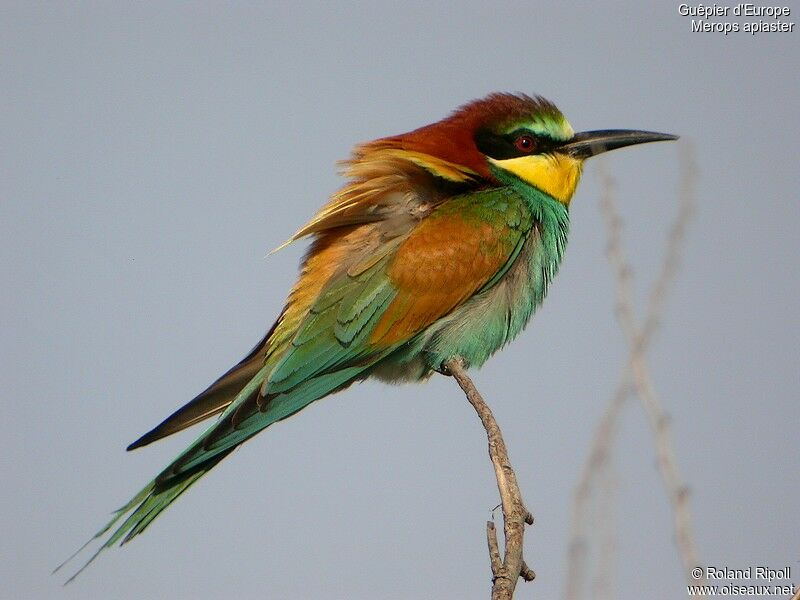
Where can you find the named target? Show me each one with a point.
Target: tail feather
(201, 456)
(162, 491)
(146, 506)
(216, 398)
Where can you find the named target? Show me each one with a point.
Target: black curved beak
(591, 143)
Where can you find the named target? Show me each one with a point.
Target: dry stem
(636, 378)
(505, 571)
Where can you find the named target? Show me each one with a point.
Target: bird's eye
(524, 143)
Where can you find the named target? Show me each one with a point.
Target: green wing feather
(326, 355)
(331, 348)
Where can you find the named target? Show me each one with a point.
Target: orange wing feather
(447, 258)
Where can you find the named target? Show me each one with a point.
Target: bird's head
(507, 137)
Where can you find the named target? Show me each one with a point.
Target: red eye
(524, 143)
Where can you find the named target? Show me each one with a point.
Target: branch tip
(527, 573)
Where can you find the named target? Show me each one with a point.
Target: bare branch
(636, 378)
(507, 571)
(650, 401)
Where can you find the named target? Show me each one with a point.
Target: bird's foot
(444, 369)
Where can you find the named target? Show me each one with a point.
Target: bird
(441, 244)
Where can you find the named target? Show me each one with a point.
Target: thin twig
(605, 519)
(495, 559)
(507, 571)
(598, 458)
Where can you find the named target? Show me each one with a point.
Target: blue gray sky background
(152, 153)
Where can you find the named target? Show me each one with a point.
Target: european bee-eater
(443, 243)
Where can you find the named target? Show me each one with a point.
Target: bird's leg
(505, 571)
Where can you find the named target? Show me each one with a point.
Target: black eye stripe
(501, 147)
(497, 146)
